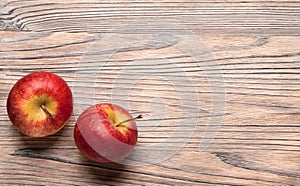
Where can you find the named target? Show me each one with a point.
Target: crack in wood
(237, 160)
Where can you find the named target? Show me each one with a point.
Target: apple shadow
(107, 174)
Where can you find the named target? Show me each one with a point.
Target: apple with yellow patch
(40, 104)
(105, 133)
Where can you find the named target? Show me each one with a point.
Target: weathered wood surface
(254, 44)
(268, 17)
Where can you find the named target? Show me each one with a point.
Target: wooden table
(217, 81)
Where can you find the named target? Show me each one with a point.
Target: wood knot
(2, 25)
(9, 26)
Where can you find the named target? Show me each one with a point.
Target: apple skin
(29, 94)
(98, 137)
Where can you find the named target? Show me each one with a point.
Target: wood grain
(254, 44)
(230, 17)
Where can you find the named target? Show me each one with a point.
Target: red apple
(40, 104)
(105, 133)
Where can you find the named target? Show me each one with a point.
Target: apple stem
(43, 107)
(137, 117)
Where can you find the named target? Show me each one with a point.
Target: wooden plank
(257, 144)
(270, 17)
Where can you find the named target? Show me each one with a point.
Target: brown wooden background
(255, 44)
